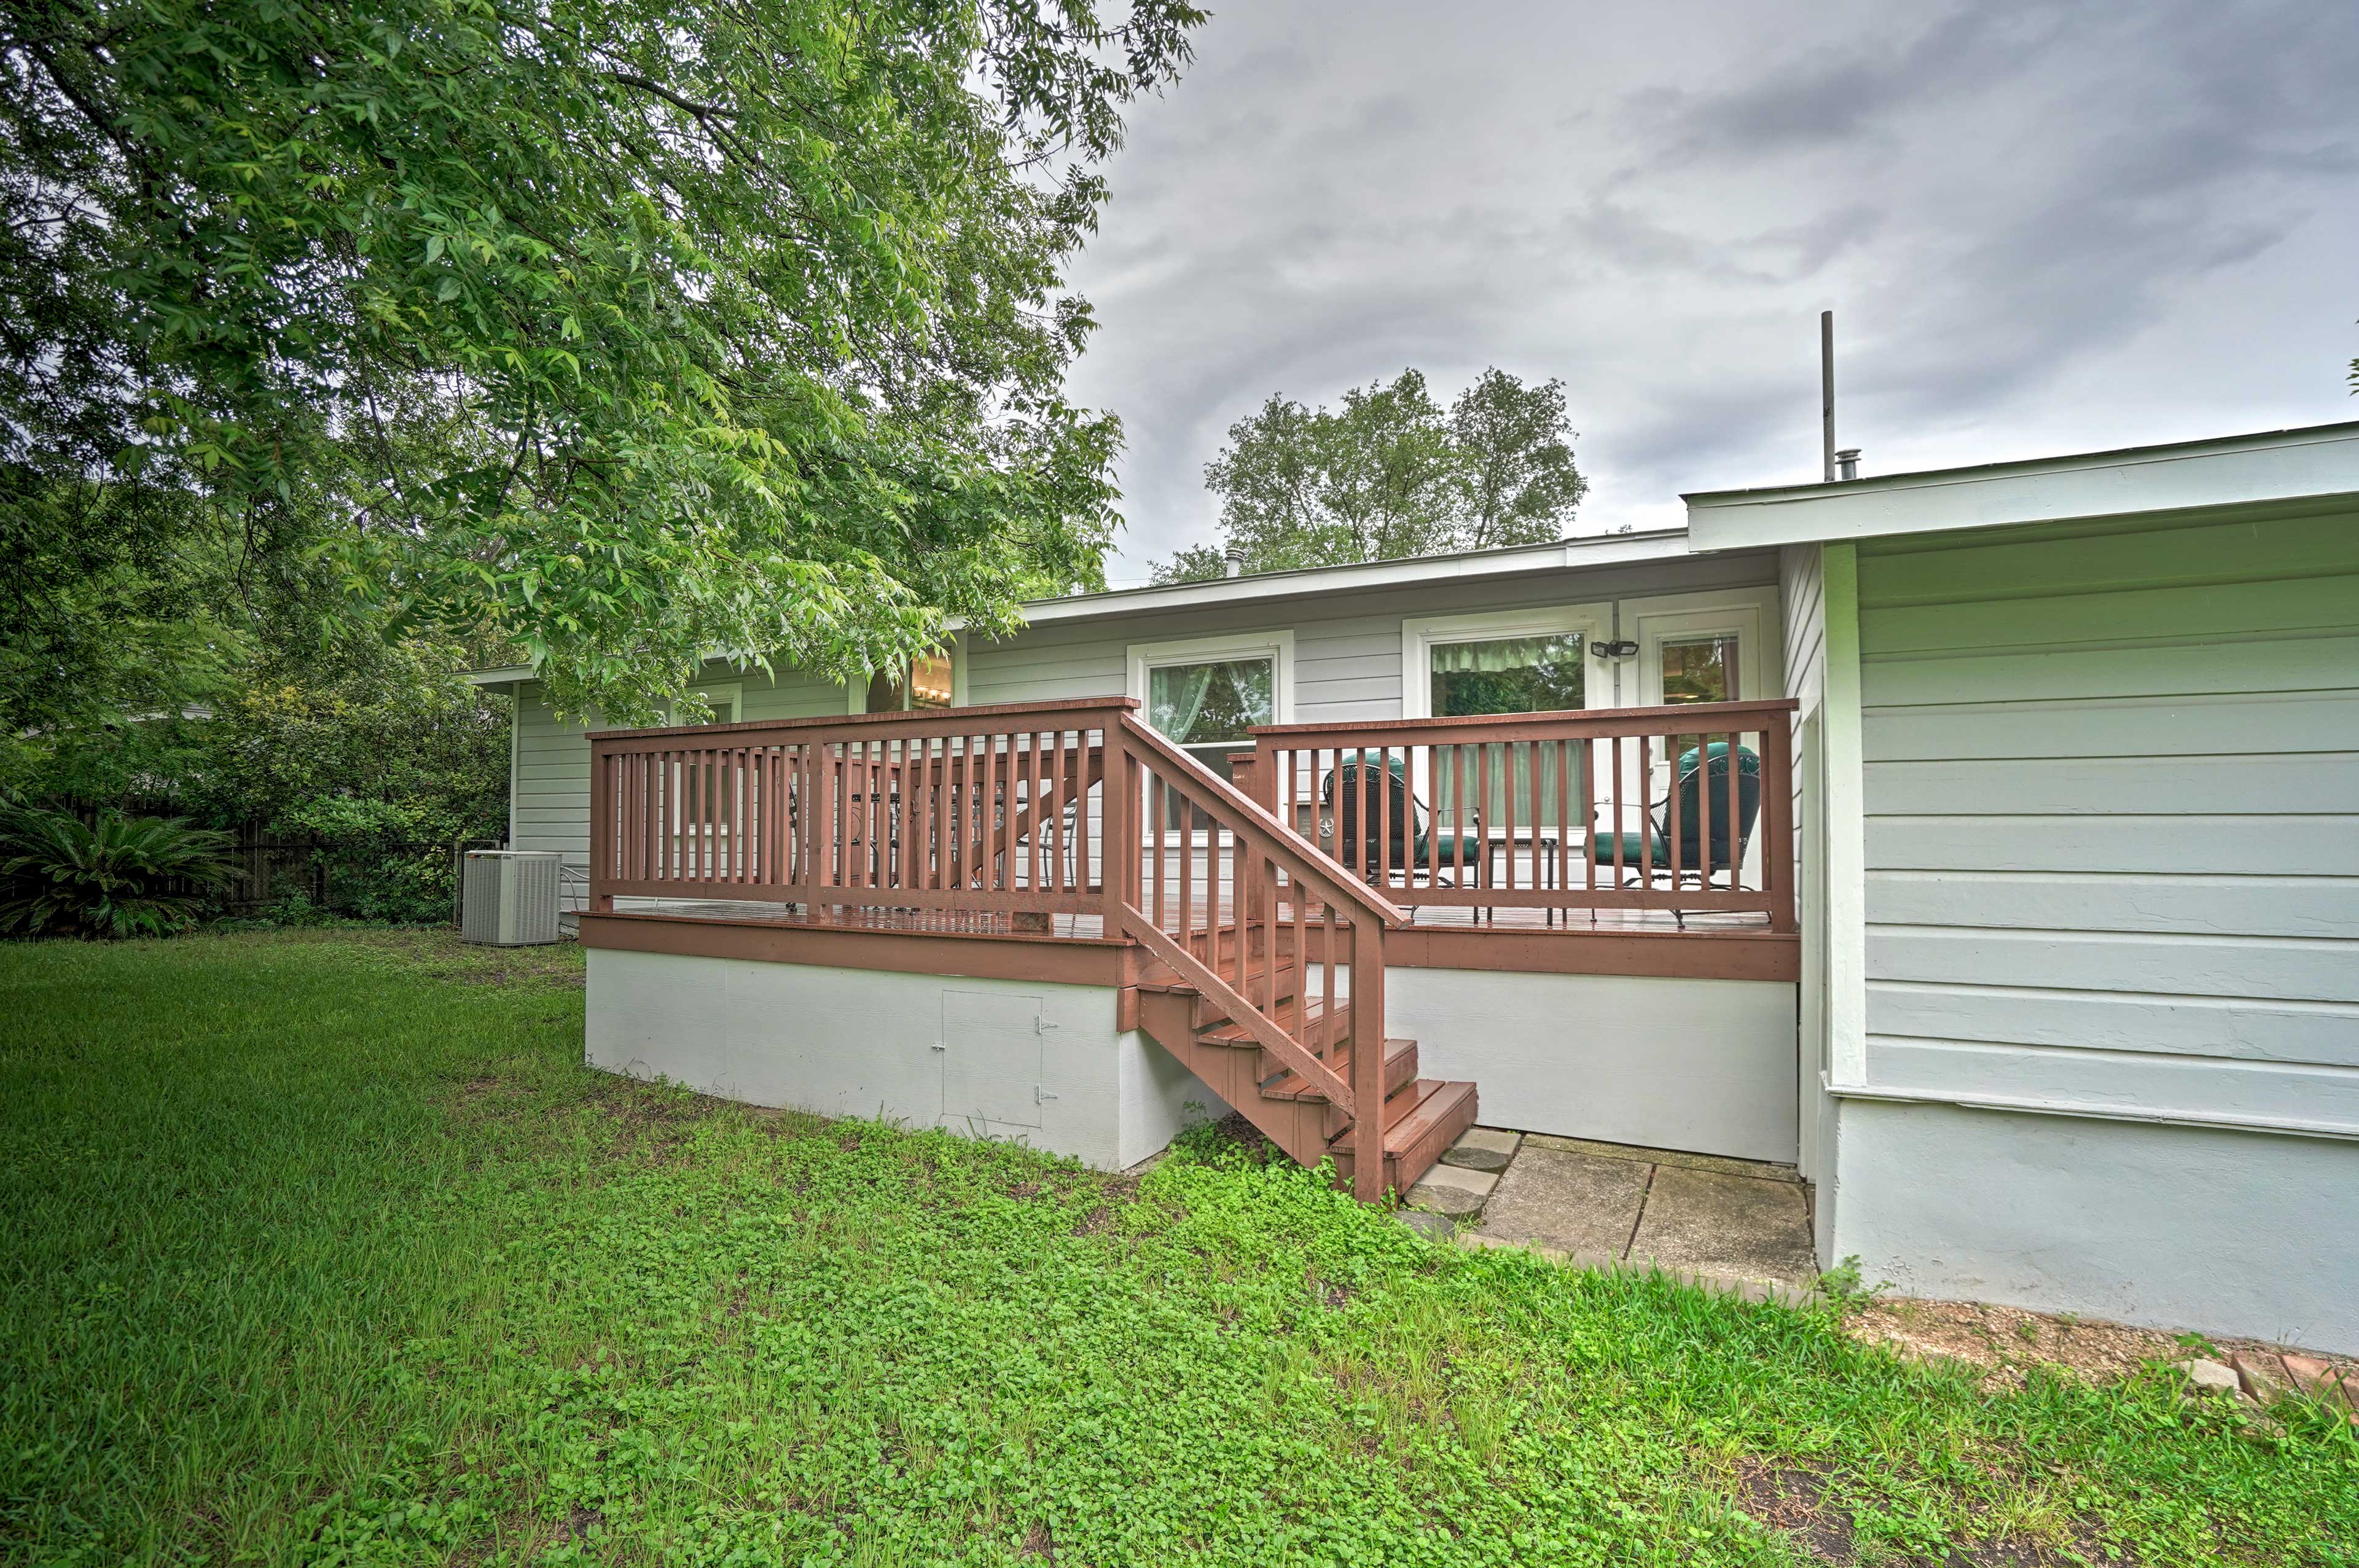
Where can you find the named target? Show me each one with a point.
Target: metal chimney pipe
(1827, 389)
(1235, 561)
(1847, 463)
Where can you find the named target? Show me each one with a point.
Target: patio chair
(1703, 819)
(1416, 846)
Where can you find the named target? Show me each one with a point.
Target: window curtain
(1174, 696)
(1498, 654)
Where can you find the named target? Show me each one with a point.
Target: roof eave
(2315, 464)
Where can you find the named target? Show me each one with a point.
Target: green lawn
(325, 1248)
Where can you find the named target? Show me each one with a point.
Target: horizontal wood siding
(1347, 647)
(1801, 584)
(2112, 816)
(1347, 667)
(550, 805)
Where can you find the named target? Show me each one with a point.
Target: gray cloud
(2042, 225)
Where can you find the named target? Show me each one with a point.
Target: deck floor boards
(953, 922)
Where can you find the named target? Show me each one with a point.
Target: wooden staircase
(1235, 916)
(1421, 1116)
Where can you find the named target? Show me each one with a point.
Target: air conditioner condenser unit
(509, 897)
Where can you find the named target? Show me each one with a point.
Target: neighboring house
(1988, 844)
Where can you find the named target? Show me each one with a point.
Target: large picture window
(1517, 661)
(1505, 675)
(921, 684)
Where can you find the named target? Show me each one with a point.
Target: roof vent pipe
(1235, 561)
(1847, 463)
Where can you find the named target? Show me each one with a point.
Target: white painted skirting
(1041, 1064)
(1705, 1065)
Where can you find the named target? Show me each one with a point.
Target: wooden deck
(1712, 945)
(1248, 926)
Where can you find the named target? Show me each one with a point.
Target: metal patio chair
(1704, 850)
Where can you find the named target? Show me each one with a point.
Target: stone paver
(1453, 1191)
(1572, 1202)
(1741, 1287)
(1671, 1157)
(1483, 1149)
(2263, 1375)
(1742, 1225)
(2208, 1376)
(1433, 1227)
(2316, 1376)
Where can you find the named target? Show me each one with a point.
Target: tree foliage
(621, 331)
(379, 757)
(1390, 474)
(112, 877)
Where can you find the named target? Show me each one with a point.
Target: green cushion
(1634, 849)
(1445, 847)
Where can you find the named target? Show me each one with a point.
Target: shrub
(122, 876)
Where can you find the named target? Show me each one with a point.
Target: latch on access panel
(1042, 1095)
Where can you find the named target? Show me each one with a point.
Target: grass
(323, 1248)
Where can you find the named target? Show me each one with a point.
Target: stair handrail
(1363, 1097)
(1334, 881)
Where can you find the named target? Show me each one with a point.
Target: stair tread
(1253, 973)
(1437, 1099)
(1294, 1086)
(1234, 1033)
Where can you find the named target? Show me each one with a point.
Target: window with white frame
(726, 700)
(1501, 661)
(1207, 694)
(930, 681)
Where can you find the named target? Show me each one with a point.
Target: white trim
(1845, 817)
(2285, 466)
(2097, 1110)
(516, 757)
(1276, 646)
(1750, 614)
(504, 676)
(1593, 623)
(731, 693)
(1594, 550)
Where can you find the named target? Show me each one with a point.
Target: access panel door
(991, 1050)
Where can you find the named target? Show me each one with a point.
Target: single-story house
(1983, 841)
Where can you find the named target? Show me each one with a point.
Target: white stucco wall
(1705, 1065)
(2218, 1230)
(1042, 1064)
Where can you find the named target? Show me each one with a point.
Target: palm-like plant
(122, 876)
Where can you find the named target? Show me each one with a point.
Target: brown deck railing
(1556, 812)
(985, 811)
(1007, 816)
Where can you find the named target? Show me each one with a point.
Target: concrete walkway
(1689, 1213)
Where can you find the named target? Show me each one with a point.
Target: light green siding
(2111, 793)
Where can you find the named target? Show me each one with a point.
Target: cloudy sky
(2042, 227)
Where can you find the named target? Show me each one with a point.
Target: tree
(625, 330)
(1388, 475)
(1516, 481)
